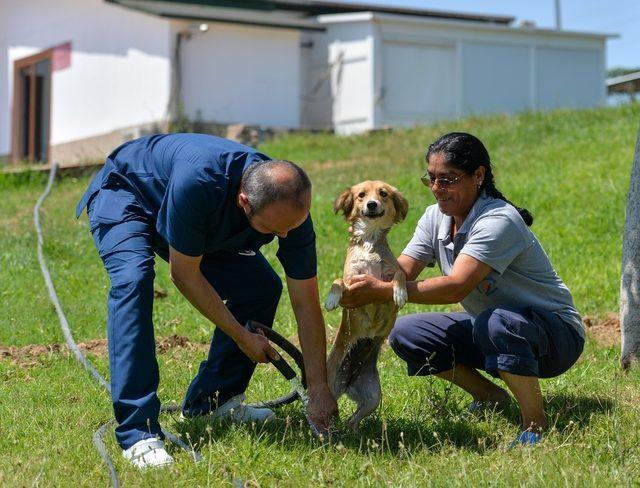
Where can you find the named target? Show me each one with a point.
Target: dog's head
(374, 203)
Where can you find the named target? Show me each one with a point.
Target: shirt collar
(444, 232)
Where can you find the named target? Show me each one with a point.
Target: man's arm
(186, 275)
(305, 301)
(467, 273)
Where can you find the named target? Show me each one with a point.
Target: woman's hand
(365, 289)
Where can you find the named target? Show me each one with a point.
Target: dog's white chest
(366, 261)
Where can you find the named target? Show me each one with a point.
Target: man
(206, 205)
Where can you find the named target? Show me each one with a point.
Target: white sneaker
(148, 453)
(236, 410)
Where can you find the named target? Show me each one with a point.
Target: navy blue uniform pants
(127, 243)
(524, 341)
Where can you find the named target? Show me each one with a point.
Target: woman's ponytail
(489, 186)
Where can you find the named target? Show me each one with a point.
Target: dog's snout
(372, 204)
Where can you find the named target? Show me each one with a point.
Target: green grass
(569, 168)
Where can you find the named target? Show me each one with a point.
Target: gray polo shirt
(495, 234)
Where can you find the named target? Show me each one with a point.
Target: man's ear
(243, 202)
(401, 205)
(344, 203)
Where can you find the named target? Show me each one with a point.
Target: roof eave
(316, 7)
(375, 16)
(222, 16)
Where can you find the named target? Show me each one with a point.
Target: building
(628, 84)
(81, 76)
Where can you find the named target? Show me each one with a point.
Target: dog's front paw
(333, 300)
(400, 296)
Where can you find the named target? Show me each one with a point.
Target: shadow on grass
(399, 436)
(576, 409)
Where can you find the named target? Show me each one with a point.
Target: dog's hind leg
(337, 376)
(364, 387)
(366, 392)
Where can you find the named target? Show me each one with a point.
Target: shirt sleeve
(496, 241)
(297, 252)
(422, 244)
(182, 217)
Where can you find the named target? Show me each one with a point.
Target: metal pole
(558, 16)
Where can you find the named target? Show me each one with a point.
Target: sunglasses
(443, 183)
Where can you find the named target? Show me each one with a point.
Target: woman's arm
(467, 273)
(412, 267)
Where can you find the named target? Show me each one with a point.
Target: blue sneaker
(526, 438)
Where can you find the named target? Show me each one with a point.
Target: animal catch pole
(630, 282)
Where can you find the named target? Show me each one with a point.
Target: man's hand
(305, 301)
(365, 289)
(257, 348)
(322, 408)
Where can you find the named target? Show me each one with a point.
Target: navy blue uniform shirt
(187, 185)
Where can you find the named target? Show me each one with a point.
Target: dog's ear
(401, 205)
(344, 203)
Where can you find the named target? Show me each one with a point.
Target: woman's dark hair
(467, 153)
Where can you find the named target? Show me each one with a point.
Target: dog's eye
(361, 194)
(383, 193)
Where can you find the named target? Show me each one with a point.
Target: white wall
(5, 106)
(413, 70)
(512, 69)
(501, 69)
(243, 74)
(120, 65)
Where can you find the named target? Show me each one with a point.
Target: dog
(371, 208)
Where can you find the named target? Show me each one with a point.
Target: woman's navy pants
(523, 341)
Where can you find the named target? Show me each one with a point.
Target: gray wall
(497, 78)
(510, 78)
(569, 78)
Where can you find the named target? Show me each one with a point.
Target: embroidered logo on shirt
(247, 252)
(487, 287)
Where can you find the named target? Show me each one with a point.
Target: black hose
(292, 351)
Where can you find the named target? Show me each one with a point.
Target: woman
(519, 324)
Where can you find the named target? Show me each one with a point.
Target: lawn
(569, 168)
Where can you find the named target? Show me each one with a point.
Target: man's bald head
(274, 181)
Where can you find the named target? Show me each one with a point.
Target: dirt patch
(606, 332)
(174, 341)
(33, 354)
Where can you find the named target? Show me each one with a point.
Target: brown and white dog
(371, 208)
